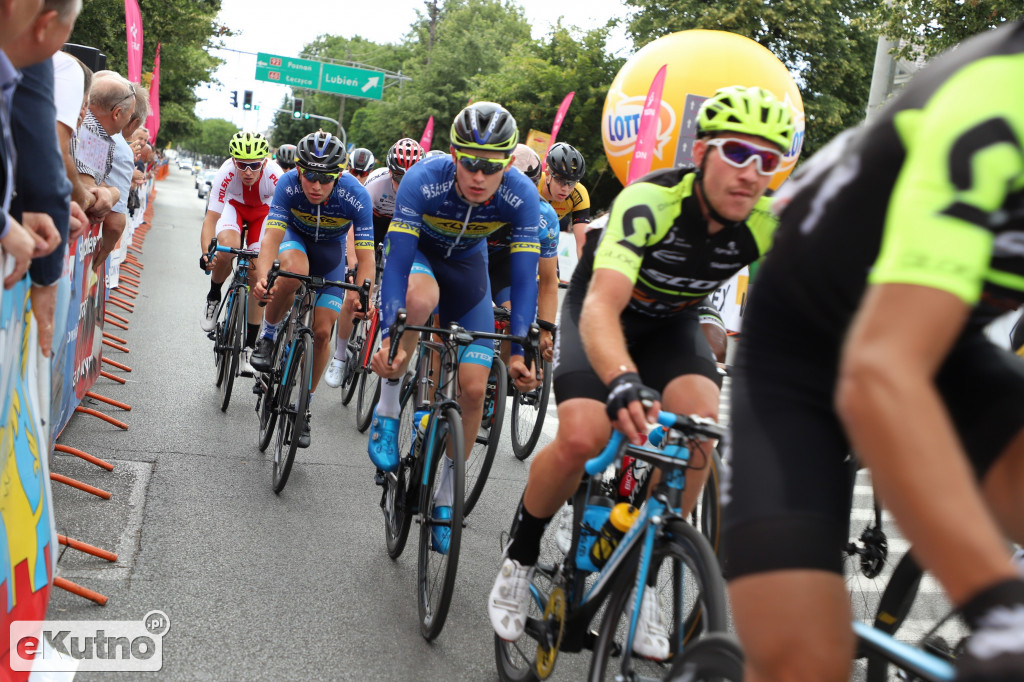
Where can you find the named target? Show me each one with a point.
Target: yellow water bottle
(619, 521)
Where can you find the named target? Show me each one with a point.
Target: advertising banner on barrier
(27, 533)
(76, 360)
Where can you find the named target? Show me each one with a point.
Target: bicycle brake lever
(395, 333)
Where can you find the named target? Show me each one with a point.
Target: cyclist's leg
(255, 217)
(293, 258)
(787, 514)
(229, 233)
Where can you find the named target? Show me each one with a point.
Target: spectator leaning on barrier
(111, 103)
(15, 17)
(120, 171)
(71, 82)
(42, 203)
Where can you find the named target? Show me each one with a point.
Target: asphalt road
(256, 585)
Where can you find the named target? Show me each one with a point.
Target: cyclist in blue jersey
(436, 251)
(499, 256)
(313, 209)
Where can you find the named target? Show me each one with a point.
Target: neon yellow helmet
(248, 146)
(754, 111)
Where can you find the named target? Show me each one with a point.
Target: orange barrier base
(116, 378)
(107, 418)
(84, 455)
(84, 487)
(110, 336)
(75, 588)
(117, 317)
(123, 349)
(115, 323)
(116, 364)
(109, 401)
(86, 547)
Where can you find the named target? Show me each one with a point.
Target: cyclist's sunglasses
(248, 165)
(738, 154)
(477, 163)
(315, 176)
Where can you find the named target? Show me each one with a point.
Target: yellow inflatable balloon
(699, 63)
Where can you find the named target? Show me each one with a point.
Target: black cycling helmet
(485, 125)
(402, 155)
(285, 156)
(321, 151)
(361, 160)
(566, 162)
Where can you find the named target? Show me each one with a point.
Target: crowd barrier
(39, 396)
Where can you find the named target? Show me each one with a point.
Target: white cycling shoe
(334, 371)
(509, 600)
(651, 639)
(208, 315)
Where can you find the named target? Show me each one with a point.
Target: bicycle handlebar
(464, 337)
(316, 282)
(690, 426)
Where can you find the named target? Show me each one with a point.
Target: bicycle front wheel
(350, 373)
(234, 336)
(440, 537)
(690, 593)
(369, 388)
(400, 488)
(482, 456)
(528, 410)
(293, 401)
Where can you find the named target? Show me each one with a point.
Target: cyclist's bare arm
(547, 299)
(888, 401)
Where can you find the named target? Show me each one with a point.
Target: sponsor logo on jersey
(436, 189)
(327, 222)
(453, 228)
(669, 256)
(349, 198)
(509, 196)
(408, 211)
(729, 250)
(683, 283)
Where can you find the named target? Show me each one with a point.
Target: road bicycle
(363, 342)
(228, 335)
(661, 551)
(283, 392)
(431, 431)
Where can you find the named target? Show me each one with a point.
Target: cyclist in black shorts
(898, 242)
(630, 331)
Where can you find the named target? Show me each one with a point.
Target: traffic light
(234, 98)
(247, 100)
(297, 107)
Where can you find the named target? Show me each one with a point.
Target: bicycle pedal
(211, 335)
(378, 479)
(257, 389)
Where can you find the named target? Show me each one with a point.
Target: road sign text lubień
(313, 75)
(300, 73)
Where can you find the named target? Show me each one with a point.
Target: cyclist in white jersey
(240, 195)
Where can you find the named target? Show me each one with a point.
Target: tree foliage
(186, 30)
(933, 26)
(829, 46)
(211, 137)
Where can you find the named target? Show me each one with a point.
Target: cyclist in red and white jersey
(240, 194)
(382, 184)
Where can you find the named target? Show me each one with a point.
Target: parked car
(206, 182)
(184, 164)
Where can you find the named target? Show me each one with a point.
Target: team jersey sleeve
(631, 225)
(547, 231)
(280, 206)
(948, 209)
(525, 251)
(400, 245)
(580, 204)
(362, 223)
(219, 188)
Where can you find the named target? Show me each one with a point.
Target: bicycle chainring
(554, 617)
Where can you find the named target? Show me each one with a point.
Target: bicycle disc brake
(554, 619)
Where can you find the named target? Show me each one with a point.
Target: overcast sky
(282, 27)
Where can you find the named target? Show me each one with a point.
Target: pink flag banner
(647, 133)
(428, 135)
(133, 26)
(559, 117)
(153, 120)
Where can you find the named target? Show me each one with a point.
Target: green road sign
(350, 82)
(299, 73)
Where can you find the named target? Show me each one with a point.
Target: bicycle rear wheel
(401, 488)
(528, 410)
(369, 387)
(435, 579)
(708, 514)
(690, 591)
(234, 336)
(482, 456)
(293, 401)
(716, 657)
(350, 373)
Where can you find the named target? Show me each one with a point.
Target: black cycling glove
(623, 390)
(202, 263)
(995, 650)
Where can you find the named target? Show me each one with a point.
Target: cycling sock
(214, 294)
(270, 330)
(443, 494)
(388, 405)
(251, 330)
(527, 530)
(341, 351)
